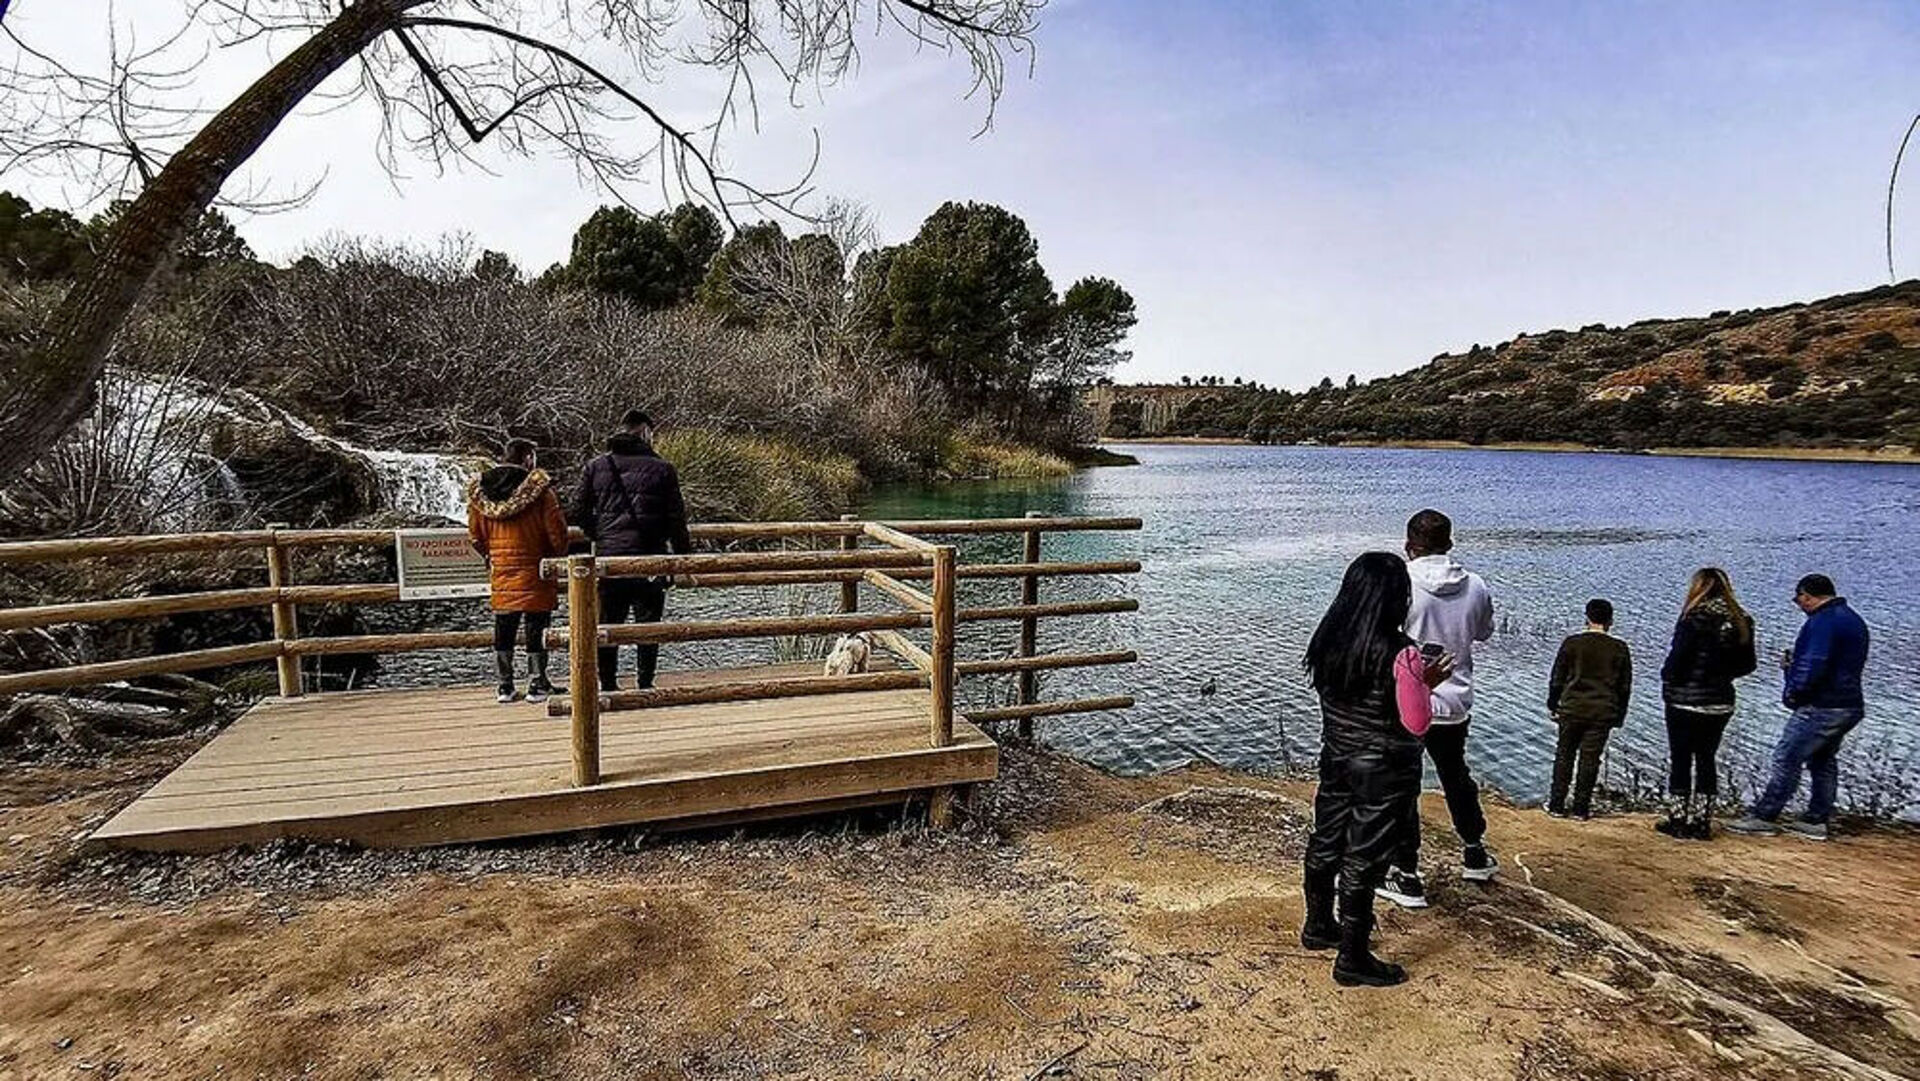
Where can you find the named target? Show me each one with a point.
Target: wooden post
(850, 589)
(583, 667)
(286, 625)
(945, 558)
(1029, 627)
(943, 643)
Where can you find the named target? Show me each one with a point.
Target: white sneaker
(1806, 831)
(505, 696)
(1477, 864)
(1403, 888)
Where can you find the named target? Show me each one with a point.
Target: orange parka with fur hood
(515, 521)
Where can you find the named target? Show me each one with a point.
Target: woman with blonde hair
(1712, 647)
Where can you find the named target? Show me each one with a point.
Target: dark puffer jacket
(629, 501)
(1711, 649)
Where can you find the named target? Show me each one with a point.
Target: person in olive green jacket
(1587, 697)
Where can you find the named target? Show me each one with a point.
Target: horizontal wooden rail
(47, 551)
(1042, 570)
(902, 647)
(168, 604)
(709, 630)
(893, 538)
(82, 675)
(947, 527)
(349, 593)
(899, 591)
(66, 548)
(956, 527)
(906, 574)
(218, 600)
(390, 643)
(790, 687)
(1048, 611)
(1050, 709)
(1046, 662)
(720, 562)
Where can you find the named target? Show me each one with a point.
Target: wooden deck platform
(424, 767)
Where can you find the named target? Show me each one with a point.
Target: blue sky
(1294, 190)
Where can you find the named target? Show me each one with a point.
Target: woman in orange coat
(514, 519)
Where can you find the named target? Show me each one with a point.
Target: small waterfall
(146, 440)
(415, 484)
(419, 484)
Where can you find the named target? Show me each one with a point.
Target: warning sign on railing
(438, 563)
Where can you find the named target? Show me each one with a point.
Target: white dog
(850, 654)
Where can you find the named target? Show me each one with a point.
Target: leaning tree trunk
(46, 388)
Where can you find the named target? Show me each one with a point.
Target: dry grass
(734, 477)
(973, 458)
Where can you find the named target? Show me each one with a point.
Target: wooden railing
(890, 558)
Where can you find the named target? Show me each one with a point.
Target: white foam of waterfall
(418, 484)
(146, 439)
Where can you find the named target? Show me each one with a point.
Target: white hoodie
(1454, 608)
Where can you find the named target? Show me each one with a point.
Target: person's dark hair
(1357, 639)
(1430, 533)
(636, 418)
(1817, 585)
(1600, 612)
(518, 451)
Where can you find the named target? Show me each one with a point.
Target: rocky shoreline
(1077, 925)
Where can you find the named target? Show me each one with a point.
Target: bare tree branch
(1892, 179)
(133, 126)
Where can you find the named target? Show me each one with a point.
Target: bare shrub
(407, 347)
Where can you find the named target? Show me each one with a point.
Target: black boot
(539, 689)
(1322, 931)
(610, 669)
(1355, 965)
(503, 666)
(1679, 810)
(1700, 822)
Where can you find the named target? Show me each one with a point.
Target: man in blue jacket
(1823, 690)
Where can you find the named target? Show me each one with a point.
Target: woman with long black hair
(1712, 647)
(1375, 692)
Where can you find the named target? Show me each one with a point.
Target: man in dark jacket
(1823, 690)
(629, 504)
(1587, 697)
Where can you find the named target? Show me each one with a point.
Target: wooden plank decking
(422, 767)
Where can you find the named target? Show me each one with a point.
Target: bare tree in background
(446, 77)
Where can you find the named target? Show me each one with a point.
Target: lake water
(1244, 547)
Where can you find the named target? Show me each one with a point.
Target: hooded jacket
(1828, 658)
(514, 520)
(629, 501)
(1710, 650)
(1453, 608)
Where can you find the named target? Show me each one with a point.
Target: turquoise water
(1244, 546)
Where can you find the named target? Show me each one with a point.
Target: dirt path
(1081, 926)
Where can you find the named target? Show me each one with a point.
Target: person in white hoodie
(1452, 610)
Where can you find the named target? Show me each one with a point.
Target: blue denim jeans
(1811, 740)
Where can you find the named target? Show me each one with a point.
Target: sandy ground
(1079, 925)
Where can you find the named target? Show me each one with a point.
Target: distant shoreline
(1784, 454)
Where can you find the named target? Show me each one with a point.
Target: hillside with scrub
(1836, 374)
(789, 369)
